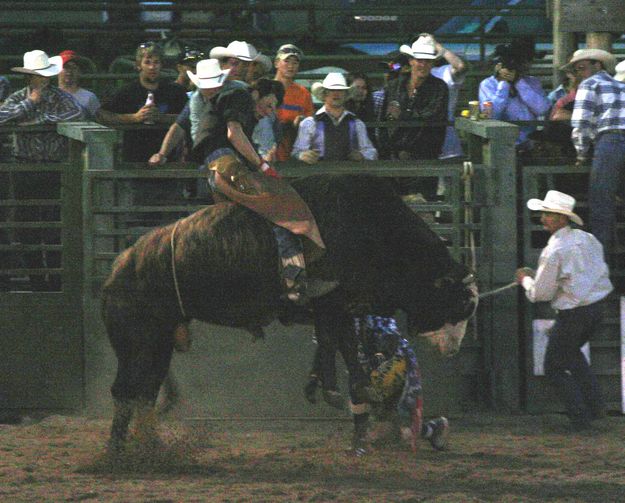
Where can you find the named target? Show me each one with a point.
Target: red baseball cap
(70, 55)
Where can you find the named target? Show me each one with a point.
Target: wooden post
(563, 43)
(500, 320)
(599, 40)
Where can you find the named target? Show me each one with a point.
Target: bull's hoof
(115, 448)
(333, 398)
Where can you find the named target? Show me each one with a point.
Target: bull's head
(445, 310)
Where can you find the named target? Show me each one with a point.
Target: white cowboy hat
(334, 81)
(38, 63)
(607, 59)
(208, 74)
(422, 48)
(556, 202)
(620, 71)
(236, 49)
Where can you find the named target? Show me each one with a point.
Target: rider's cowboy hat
(556, 202)
(334, 81)
(236, 49)
(607, 59)
(422, 48)
(38, 63)
(208, 74)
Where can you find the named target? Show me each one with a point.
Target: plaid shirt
(55, 106)
(599, 106)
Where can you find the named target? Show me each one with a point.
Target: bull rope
(173, 268)
(467, 173)
(497, 290)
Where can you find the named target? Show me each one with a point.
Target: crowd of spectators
(421, 85)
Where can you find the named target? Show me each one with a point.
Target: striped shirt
(599, 106)
(55, 106)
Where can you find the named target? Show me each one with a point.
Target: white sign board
(540, 332)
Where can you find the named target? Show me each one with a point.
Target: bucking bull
(227, 272)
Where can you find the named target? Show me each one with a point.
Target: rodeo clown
(394, 374)
(393, 395)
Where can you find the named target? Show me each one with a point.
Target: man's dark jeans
(567, 368)
(606, 174)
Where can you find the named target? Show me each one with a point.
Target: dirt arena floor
(499, 459)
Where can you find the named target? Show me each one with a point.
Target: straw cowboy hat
(422, 48)
(556, 202)
(334, 81)
(607, 59)
(236, 49)
(38, 63)
(209, 74)
(620, 71)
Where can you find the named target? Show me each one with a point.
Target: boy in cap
(573, 276)
(297, 103)
(69, 81)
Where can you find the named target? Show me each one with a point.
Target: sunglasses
(147, 45)
(291, 50)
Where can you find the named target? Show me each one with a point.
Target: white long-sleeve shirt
(310, 138)
(571, 271)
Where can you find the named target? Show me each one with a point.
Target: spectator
(452, 72)
(268, 95)
(558, 129)
(333, 133)
(297, 103)
(419, 96)
(259, 68)
(237, 58)
(360, 101)
(515, 95)
(573, 276)
(128, 105)
(396, 66)
(69, 81)
(599, 119)
(569, 81)
(39, 103)
(5, 89)
(188, 59)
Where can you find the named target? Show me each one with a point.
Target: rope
(497, 290)
(173, 269)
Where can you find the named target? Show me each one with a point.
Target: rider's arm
(242, 144)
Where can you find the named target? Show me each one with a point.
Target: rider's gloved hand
(268, 170)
